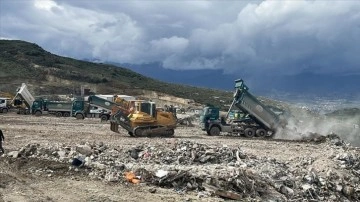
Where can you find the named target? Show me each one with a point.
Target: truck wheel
(79, 116)
(38, 113)
(249, 132)
(104, 118)
(214, 131)
(260, 132)
(66, 114)
(58, 114)
(4, 111)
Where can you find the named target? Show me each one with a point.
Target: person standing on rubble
(2, 138)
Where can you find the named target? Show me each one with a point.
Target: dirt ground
(19, 182)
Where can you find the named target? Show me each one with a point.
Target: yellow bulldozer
(141, 119)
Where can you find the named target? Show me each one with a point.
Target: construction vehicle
(59, 108)
(25, 102)
(78, 108)
(95, 107)
(141, 118)
(255, 119)
(4, 104)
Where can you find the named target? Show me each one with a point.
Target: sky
(268, 37)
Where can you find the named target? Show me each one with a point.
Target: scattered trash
(131, 177)
(161, 173)
(78, 162)
(224, 171)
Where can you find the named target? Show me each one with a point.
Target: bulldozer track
(154, 131)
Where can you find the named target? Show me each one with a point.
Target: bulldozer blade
(114, 127)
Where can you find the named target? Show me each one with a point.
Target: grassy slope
(47, 73)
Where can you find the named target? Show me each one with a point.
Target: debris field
(59, 159)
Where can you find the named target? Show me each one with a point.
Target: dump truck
(78, 108)
(58, 108)
(141, 119)
(95, 107)
(256, 118)
(25, 102)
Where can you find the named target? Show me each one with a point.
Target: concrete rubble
(223, 171)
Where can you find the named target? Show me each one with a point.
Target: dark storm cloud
(275, 37)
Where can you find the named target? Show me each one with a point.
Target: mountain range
(306, 85)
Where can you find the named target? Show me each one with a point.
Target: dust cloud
(305, 125)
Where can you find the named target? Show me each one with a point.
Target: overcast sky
(282, 37)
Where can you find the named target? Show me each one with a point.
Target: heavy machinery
(141, 119)
(255, 120)
(59, 108)
(25, 102)
(95, 107)
(78, 108)
(4, 104)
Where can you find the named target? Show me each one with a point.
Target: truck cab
(210, 115)
(38, 106)
(4, 105)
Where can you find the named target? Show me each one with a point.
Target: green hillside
(46, 73)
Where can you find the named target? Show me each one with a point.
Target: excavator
(141, 119)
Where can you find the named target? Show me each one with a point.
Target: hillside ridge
(47, 73)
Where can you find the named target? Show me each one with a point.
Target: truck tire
(260, 132)
(66, 114)
(79, 116)
(58, 114)
(104, 117)
(214, 131)
(4, 110)
(249, 132)
(38, 113)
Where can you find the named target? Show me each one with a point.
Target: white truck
(4, 104)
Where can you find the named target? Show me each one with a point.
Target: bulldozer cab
(146, 107)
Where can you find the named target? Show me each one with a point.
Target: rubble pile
(213, 170)
(185, 153)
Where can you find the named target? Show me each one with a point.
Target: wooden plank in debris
(228, 194)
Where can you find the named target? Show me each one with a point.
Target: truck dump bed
(101, 102)
(24, 93)
(258, 111)
(59, 106)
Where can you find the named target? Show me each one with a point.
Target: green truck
(255, 118)
(78, 108)
(59, 108)
(94, 107)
